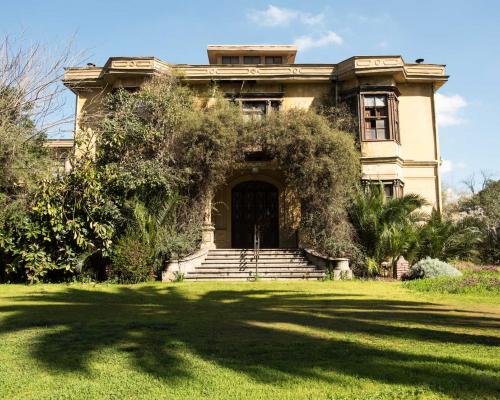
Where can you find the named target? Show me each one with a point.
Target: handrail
(256, 248)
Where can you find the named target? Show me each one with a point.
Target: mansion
(393, 102)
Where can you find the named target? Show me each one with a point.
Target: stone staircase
(239, 265)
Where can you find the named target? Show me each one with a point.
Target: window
(274, 60)
(392, 188)
(376, 117)
(376, 109)
(256, 109)
(251, 60)
(230, 59)
(389, 190)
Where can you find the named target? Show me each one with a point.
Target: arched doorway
(254, 203)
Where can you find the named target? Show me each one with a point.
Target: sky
(464, 35)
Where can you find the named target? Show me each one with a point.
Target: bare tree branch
(34, 74)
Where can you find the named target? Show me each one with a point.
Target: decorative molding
(81, 77)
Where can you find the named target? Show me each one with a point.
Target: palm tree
(385, 228)
(446, 239)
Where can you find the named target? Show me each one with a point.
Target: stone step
(239, 265)
(261, 266)
(262, 275)
(252, 261)
(225, 270)
(251, 279)
(251, 249)
(251, 253)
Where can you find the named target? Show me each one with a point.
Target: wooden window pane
(371, 133)
(369, 101)
(254, 109)
(380, 101)
(382, 134)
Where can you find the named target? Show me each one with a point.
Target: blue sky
(464, 35)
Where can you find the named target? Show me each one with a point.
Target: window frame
(392, 117)
(396, 186)
(271, 105)
(356, 99)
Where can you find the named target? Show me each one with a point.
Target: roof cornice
(130, 67)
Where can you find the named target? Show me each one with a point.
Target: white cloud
(308, 42)
(370, 19)
(448, 109)
(448, 166)
(275, 16)
(310, 19)
(272, 16)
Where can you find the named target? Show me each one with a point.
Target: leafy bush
(131, 260)
(486, 282)
(151, 237)
(432, 268)
(69, 219)
(321, 166)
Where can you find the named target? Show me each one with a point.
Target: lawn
(256, 340)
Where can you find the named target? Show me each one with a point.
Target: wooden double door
(255, 204)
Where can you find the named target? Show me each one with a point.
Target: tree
(31, 105)
(444, 238)
(483, 210)
(385, 228)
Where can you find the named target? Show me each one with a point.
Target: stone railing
(339, 266)
(184, 265)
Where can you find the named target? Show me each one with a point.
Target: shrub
(150, 238)
(69, 219)
(481, 281)
(320, 165)
(432, 268)
(131, 261)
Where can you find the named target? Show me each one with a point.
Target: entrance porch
(255, 198)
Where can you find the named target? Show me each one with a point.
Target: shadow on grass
(269, 335)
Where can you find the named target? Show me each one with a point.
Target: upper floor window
(256, 109)
(230, 60)
(274, 60)
(251, 60)
(376, 117)
(379, 119)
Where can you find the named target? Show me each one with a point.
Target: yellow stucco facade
(409, 158)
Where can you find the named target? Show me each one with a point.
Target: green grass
(260, 340)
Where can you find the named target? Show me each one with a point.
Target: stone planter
(339, 266)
